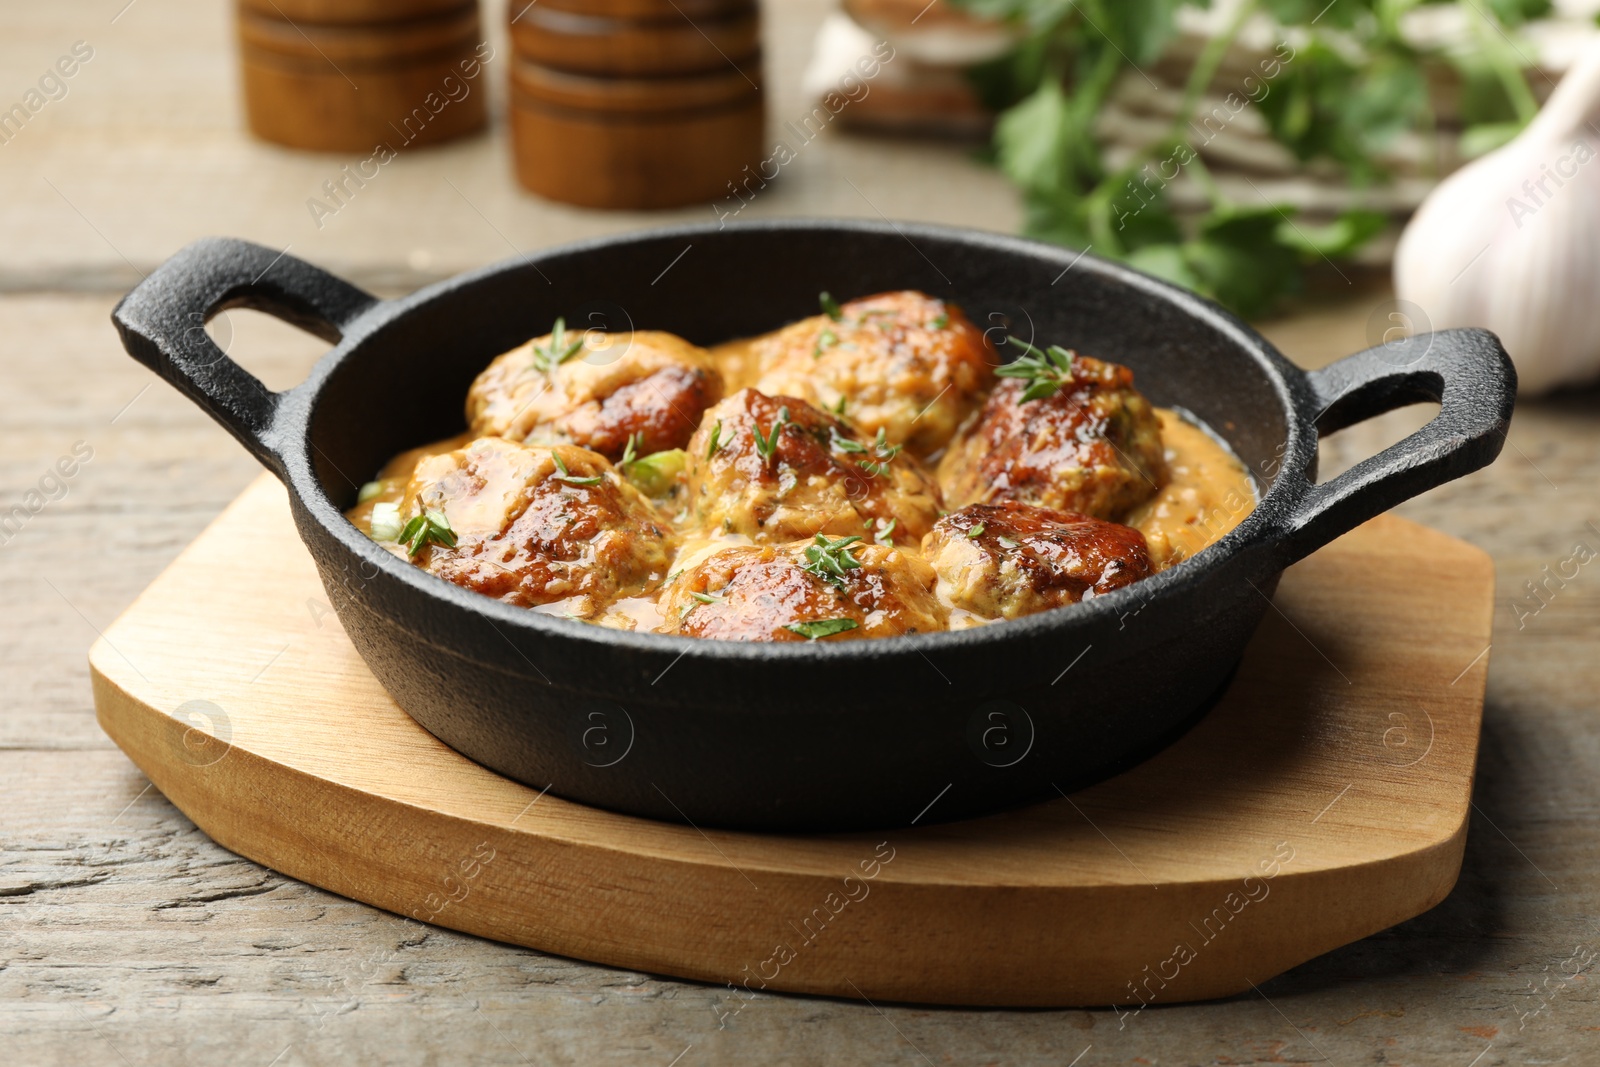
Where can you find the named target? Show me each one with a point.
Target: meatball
(810, 590)
(1002, 561)
(596, 390)
(1093, 445)
(904, 363)
(776, 469)
(532, 526)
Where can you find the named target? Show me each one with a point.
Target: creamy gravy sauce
(1207, 494)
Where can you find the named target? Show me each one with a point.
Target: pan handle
(1466, 372)
(162, 323)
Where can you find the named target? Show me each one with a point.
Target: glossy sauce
(1207, 494)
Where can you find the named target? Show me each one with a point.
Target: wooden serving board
(1324, 799)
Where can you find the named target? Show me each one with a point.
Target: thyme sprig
(570, 478)
(829, 560)
(431, 527)
(811, 631)
(883, 453)
(767, 445)
(1045, 371)
(547, 359)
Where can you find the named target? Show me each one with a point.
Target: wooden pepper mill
(635, 104)
(350, 75)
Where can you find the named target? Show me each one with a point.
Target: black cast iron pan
(831, 735)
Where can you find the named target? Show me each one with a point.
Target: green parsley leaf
(830, 306)
(940, 321)
(825, 340)
(976, 532)
(811, 631)
(707, 598)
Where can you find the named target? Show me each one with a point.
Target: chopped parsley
(940, 321)
(547, 359)
(976, 532)
(1044, 371)
(431, 527)
(707, 598)
(828, 560)
(830, 306)
(767, 446)
(825, 340)
(570, 478)
(885, 535)
(716, 440)
(821, 628)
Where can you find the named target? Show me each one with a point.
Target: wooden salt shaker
(635, 104)
(351, 75)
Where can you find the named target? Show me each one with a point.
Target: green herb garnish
(940, 321)
(707, 598)
(559, 351)
(657, 473)
(885, 453)
(838, 409)
(976, 532)
(821, 628)
(1006, 542)
(1044, 371)
(431, 527)
(884, 535)
(825, 340)
(716, 440)
(844, 444)
(570, 478)
(828, 560)
(630, 451)
(830, 306)
(767, 446)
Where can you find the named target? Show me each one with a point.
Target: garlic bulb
(1511, 241)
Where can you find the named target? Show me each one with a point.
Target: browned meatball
(1002, 561)
(535, 526)
(596, 390)
(905, 363)
(1092, 446)
(843, 589)
(817, 476)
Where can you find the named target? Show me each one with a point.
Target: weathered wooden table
(127, 937)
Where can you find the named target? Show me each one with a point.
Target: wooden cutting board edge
(701, 917)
